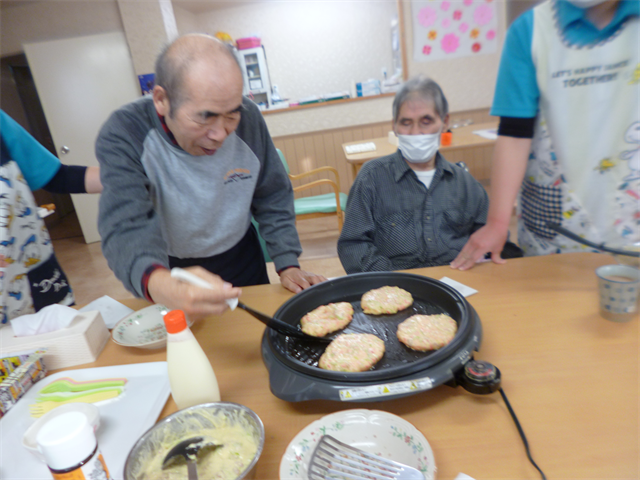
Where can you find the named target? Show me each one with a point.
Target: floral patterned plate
(373, 431)
(142, 329)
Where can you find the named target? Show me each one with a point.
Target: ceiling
(14, 3)
(201, 6)
(193, 6)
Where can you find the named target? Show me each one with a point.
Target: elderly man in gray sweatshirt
(183, 172)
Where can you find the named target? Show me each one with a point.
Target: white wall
(312, 47)
(186, 21)
(52, 20)
(329, 116)
(316, 47)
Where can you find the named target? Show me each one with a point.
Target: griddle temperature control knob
(480, 377)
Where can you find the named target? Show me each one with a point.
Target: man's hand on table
(195, 302)
(296, 280)
(490, 239)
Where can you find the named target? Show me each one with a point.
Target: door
(80, 81)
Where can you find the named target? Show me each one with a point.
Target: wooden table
(571, 376)
(463, 139)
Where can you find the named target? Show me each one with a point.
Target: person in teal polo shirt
(30, 275)
(42, 169)
(569, 137)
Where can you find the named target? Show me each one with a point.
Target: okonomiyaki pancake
(327, 318)
(427, 332)
(352, 352)
(385, 300)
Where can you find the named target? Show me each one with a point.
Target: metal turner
(584, 241)
(333, 459)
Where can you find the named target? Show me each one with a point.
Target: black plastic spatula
(273, 323)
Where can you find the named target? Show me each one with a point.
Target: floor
(91, 278)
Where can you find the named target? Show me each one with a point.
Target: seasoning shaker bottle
(70, 448)
(191, 375)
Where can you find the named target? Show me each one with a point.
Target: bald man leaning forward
(183, 172)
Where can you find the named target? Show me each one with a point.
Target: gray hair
(174, 62)
(424, 88)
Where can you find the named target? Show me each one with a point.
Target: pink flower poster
(453, 28)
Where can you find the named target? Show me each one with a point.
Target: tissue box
(21, 380)
(81, 342)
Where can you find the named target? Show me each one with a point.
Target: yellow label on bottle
(94, 469)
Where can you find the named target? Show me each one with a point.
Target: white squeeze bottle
(190, 373)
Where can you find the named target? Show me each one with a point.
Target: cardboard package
(21, 380)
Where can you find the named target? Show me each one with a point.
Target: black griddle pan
(430, 297)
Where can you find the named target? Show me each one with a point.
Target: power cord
(482, 377)
(521, 431)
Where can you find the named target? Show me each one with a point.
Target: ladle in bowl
(188, 449)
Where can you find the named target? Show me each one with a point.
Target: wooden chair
(318, 205)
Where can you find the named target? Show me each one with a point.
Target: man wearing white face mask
(568, 97)
(412, 208)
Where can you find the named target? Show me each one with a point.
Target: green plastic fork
(69, 385)
(74, 395)
(38, 409)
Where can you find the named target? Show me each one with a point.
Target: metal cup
(619, 287)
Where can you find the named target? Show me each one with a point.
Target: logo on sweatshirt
(236, 175)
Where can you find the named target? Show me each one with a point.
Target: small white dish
(373, 431)
(142, 329)
(29, 438)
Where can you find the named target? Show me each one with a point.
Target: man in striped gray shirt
(412, 209)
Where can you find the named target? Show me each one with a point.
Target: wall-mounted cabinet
(257, 85)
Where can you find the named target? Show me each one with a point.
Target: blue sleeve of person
(517, 92)
(37, 164)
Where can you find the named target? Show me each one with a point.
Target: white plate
(142, 329)
(373, 431)
(122, 420)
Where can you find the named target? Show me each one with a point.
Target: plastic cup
(619, 287)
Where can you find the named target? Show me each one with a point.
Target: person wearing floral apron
(568, 93)
(30, 275)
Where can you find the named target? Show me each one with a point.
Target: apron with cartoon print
(30, 276)
(583, 171)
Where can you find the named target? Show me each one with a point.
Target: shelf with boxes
(255, 72)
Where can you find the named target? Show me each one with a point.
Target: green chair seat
(319, 203)
(263, 244)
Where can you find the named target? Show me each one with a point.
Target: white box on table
(81, 342)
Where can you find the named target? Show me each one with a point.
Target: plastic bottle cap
(175, 321)
(66, 440)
